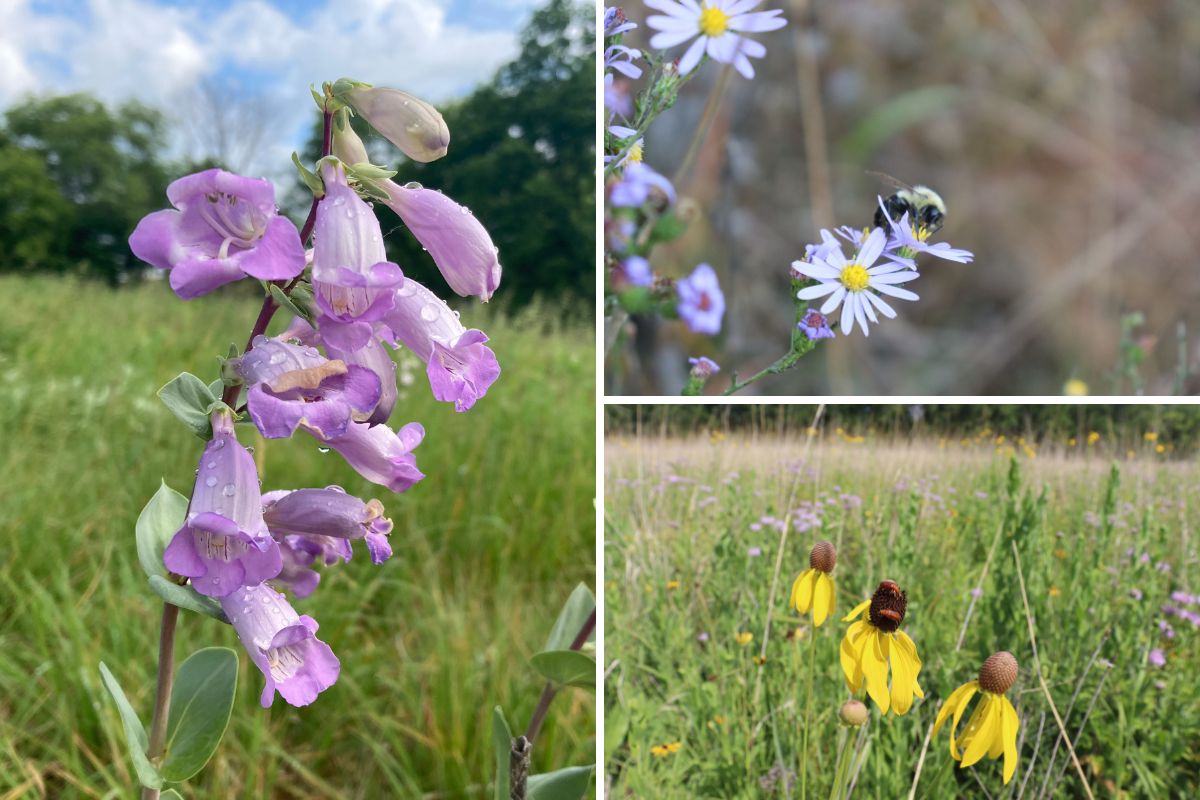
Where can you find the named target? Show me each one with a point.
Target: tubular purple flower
(294, 386)
(375, 357)
(224, 544)
(459, 366)
(329, 514)
(455, 239)
(352, 278)
(282, 644)
(406, 121)
(223, 228)
(381, 455)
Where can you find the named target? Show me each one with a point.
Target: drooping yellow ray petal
(1010, 725)
(903, 677)
(802, 591)
(984, 724)
(857, 610)
(822, 598)
(832, 592)
(875, 667)
(954, 703)
(971, 688)
(851, 655)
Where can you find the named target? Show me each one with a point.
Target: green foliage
(501, 748)
(566, 668)
(187, 598)
(77, 177)
(1101, 552)
(201, 702)
(158, 522)
(522, 158)
(575, 612)
(191, 400)
(564, 784)
(87, 443)
(135, 732)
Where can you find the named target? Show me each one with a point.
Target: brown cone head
(998, 673)
(888, 605)
(823, 557)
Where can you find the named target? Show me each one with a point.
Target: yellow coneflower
(662, 750)
(744, 638)
(760, 660)
(1150, 436)
(1054, 592)
(672, 584)
(1160, 449)
(873, 644)
(1075, 388)
(814, 587)
(1093, 437)
(992, 728)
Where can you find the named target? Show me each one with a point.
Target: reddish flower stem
(539, 713)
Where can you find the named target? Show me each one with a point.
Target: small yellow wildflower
(663, 750)
(992, 728)
(873, 644)
(1160, 449)
(1072, 442)
(1054, 592)
(1000, 439)
(1093, 437)
(744, 638)
(814, 587)
(1060, 553)
(1150, 436)
(672, 584)
(760, 660)
(1075, 388)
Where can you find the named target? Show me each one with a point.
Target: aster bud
(998, 673)
(823, 557)
(853, 713)
(407, 122)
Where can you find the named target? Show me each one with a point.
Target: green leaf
(157, 523)
(366, 169)
(170, 794)
(575, 611)
(189, 398)
(291, 304)
(564, 784)
(308, 176)
(201, 702)
(186, 597)
(616, 725)
(502, 747)
(566, 667)
(135, 734)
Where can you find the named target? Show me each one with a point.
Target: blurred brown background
(1063, 137)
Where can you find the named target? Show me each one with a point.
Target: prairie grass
(692, 549)
(486, 550)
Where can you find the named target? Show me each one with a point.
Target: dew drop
(339, 200)
(212, 464)
(230, 490)
(464, 210)
(407, 289)
(322, 449)
(413, 185)
(349, 213)
(276, 357)
(210, 481)
(429, 313)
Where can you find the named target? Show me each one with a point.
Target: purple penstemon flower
(458, 243)
(715, 24)
(460, 367)
(352, 277)
(815, 325)
(224, 543)
(381, 455)
(294, 386)
(906, 241)
(223, 228)
(329, 513)
(282, 644)
(701, 302)
(849, 282)
(633, 188)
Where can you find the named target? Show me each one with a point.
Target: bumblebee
(925, 208)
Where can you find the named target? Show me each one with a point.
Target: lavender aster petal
(701, 302)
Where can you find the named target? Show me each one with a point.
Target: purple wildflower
(703, 367)
(616, 23)
(1135, 593)
(282, 644)
(716, 26)
(458, 243)
(701, 302)
(702, 636)
(329, 513)
(977, 593)
(381, 455)
(815, 325)
(223, 228)
(224, 544)
(459, 366)
(634, 271)
(907, 241)
(633, 188)
(754, 552)
(1157, 658)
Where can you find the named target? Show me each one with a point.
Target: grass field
(486, 550)
(695, 557)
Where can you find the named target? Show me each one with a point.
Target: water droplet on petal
(464, 210)
(276, 357)
(429, 313)
(339, 200)
(210, 481)
(230, 490)
(407, 289)
(212, 464)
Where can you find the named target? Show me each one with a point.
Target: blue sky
(264, 53)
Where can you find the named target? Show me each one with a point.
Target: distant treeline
(76, 175)
(1177, 424)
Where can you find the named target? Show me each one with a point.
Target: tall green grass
(487, 548)
(1102, 546)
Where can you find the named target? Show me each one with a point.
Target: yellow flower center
(713, 22)
(855, 278)
(635, 153)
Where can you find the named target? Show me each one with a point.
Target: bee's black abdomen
(896, 207)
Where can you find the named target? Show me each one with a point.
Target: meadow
(710, 676)
(487, 548)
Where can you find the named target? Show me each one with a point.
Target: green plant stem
(842, 770)
(812, 660)
(548, 693)
(162, 694)
(706, 118)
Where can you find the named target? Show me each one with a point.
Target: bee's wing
(895, 183)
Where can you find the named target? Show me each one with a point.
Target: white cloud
(120, 49)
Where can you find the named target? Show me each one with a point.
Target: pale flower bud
(348, 147)
(411, 124)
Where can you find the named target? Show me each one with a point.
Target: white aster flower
(715, 24)
(852, 283)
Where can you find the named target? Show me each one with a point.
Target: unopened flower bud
(411, 124)
(998, 673)
(853, 713)
(823, 557)
(348, 147)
